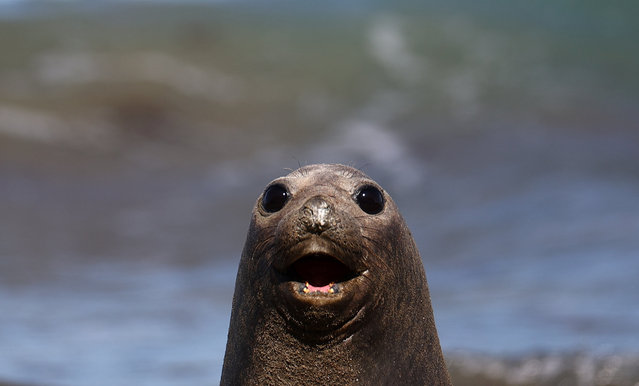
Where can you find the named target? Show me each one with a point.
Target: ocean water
(131, 153)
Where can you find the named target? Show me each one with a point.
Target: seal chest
(322, 292)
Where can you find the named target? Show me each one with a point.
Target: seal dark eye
(274, 198)
(370, 199)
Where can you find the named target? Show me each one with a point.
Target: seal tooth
(305, 290)
(331, 289)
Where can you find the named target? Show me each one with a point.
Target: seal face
(318, 281)
(320, 263)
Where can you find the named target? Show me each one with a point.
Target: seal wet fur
(331, 289)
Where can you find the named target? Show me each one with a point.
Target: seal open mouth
(320, 287)
(320, 273)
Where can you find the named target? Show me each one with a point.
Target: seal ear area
(274, 198)
(370, 199)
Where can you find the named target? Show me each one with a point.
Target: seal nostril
(317, 215)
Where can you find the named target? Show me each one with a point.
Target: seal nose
(317, 215)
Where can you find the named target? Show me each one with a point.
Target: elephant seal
(331, 289)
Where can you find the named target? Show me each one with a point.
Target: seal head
(330, 288)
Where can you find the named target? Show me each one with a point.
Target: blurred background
(136, 136)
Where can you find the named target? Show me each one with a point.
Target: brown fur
(384, 334)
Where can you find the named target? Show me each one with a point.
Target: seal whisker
(263, 246)
(383, 263)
